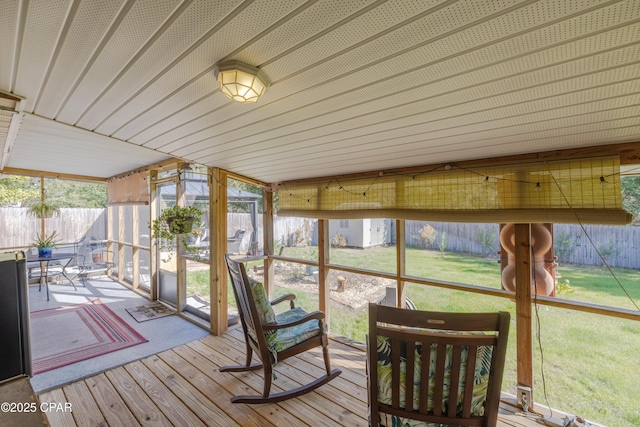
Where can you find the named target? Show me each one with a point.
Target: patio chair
(92, 257)
(427, 368)
(233, 243)
(275, 338)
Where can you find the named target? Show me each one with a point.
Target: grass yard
(591, 365)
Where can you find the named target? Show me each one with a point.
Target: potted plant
(177, 222)
(43, 210)
(45, 244)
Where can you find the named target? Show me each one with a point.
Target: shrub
(487, 240)
(338, 241)
(564, 287)
(443, 242)
(428, 234)
(563, 246)
(609, 250)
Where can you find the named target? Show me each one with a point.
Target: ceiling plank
(629, 155)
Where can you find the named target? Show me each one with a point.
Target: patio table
(44, 267)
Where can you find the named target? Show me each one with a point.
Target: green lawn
(591, 363)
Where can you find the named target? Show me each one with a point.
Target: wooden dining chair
(274, 338)
(429, 368)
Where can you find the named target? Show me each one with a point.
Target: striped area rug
(64, 335)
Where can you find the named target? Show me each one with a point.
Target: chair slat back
(425, 366)
(244, 298)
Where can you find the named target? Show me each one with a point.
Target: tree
(16, 190)
(76, 194)
(22, 190)
(631, 196)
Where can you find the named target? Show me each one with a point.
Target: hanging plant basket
(180, 225)
(177, 224)
(43, 210)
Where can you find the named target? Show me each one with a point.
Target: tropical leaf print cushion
(481, 378)
(265, 311)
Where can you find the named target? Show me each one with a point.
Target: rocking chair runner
(275, 338)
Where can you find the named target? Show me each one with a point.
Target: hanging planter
(176, 223)
(43, 210)
(180, 225)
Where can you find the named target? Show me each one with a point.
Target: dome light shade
(241, 82)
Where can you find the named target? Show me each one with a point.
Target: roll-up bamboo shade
(129, 190)
(563, 191)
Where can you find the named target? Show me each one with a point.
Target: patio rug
(64, 335)
(155, 310)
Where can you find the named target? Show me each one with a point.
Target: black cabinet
(15, 347)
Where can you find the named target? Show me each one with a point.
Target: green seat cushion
(481, 380)
(281, 339)
(288, 337)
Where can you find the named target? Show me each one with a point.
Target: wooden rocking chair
(274, 338)
(429, 368)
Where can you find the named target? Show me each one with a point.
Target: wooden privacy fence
(619, 245)
(283, 228)
(19, 229)
(458, 237)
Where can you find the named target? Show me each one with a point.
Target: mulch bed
(358, 291)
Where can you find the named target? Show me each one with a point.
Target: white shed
(362, 233)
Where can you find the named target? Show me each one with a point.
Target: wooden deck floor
(182, 387)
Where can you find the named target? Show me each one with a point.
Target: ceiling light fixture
(241, 82)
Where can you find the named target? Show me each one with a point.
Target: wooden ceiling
(357, 85)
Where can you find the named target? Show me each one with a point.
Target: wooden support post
(110, 236)
(42, 192)
(135, 253)
(323, 271)
(400, 262)
(523, 307)
(181, 261)
(153, 246)
(267, 230)
(121, 238)
(218, 270)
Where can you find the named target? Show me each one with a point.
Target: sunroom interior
(386, 115)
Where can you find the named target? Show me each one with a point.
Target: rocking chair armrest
(314, 315)
(286, 297)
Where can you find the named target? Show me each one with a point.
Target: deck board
(272, 414)
(300, 372)
(183, 386)
(140, 404)
(57, 418)
(176, 411)
(110, 402)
